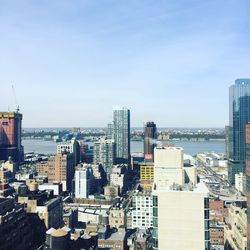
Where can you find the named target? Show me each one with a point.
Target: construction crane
(15, 99)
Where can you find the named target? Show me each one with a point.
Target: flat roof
(199, 188)
(119, 235)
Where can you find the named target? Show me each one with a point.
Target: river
(190, 147)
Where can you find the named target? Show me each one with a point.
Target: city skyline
(71, 62)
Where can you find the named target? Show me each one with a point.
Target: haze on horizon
(167, 61)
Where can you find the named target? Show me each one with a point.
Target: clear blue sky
(168, 61)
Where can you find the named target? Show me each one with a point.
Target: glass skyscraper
(239, 116)
(150, 136)
(121, 133)
(248, 182)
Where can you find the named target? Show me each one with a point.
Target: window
(206, 235)
(206, 202)
(206, 214)
(155, 201)
(155, 211)
(155, 222)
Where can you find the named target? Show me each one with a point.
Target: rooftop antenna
(15, 99)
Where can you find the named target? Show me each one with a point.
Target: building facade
(235, 231)
(16, 228)
(61, 168)
(150, 136)
(240, 182)
(239, 116)
(147, 176)
(121, 132)
(10, 136)
(248, 182)
(72, 147)
(168, 166)
(104, 153)
(142, 213)
(117, 218)
(181, 218)
(84, 181)
(119, 177)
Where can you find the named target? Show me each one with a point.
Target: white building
(181, 218)
(190, 174)
(212, 159)
(180, 211)
(240, 182)
(93, 215)
(57, 187)
(168, 166)
(142, 213)
(118, 176)
(84, 180)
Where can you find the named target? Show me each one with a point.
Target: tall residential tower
(121, 132)
(104, 153)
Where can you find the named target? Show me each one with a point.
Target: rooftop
(118, 236)
(199, 188)
(169, 148)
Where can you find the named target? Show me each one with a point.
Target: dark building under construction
(10, 136)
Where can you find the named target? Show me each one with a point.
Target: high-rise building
(239, 116)
(121, 132)
(104, 154)
(147, 175)
(142, 213)
(18, 229)
(150, 137)
(228, 141)
(84, 181)
(71, 146)
(248, 182)
(109, 131)
(119, 177)
(181, 218)
(180, 207)
(61, 168)
(10, 136)
(168, 166)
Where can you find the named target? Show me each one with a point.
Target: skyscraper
(84, 180)
(10, 136)
(72, 146)
(121, 130)
(149, 140)
(248, 182)
(109, 131)
(181, 218)
(239, 116)
(180, 209)
(168, 166)
(61, 167)
(228, 140)
(104, 153)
